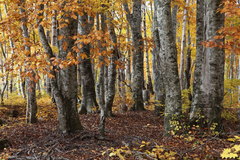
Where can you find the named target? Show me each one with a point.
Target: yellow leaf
(112, 154)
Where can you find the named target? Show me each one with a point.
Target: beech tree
(81, 50)
(31, 111)
(157, 65)
(168, 52)
(85, 24)
(134, 19)
(208, 102)
(65, 95)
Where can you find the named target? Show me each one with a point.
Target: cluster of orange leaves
(36, 59)
(231, 31)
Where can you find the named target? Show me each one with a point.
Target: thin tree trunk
(187, 72)
(183, 45)
(149, 79)
(31, 111)
(128, 59)
(122, 90)
(3, 90)
(111, 70)
(100, 85)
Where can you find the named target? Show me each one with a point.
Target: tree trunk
(149, 86)
(31, 111)
(197, 100)
(3, 90)
(168, 52)
(122, 90)
(157, 66)
(111, 71)
(48, 86)
(212, 71)
(88, 84)
(128, 60)
(65, 96)
(183, 45)
(135, 19)
(187, 71)
(101, 79)
(174, 20)
(54, 39)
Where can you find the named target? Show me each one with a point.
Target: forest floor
(130, 135)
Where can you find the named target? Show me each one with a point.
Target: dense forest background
(126, 79)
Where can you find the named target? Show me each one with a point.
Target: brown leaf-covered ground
(43, 141)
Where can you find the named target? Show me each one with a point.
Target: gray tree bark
(157, 66)
(135, 19)
(122, 90)
(212, 70)
(54, 42)
(168, 52)
(111, 70)
(195, 112)
(101, 80)
(89, 101)
(66, 95)
(174, 20)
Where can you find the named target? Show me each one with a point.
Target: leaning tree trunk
(88, 85)
(53, 43)
(66, 95)
(135, 19)
(111, 71)
(31, 111)
(168, 52)
(212, 87)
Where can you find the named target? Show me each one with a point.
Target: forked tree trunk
(65, 96)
